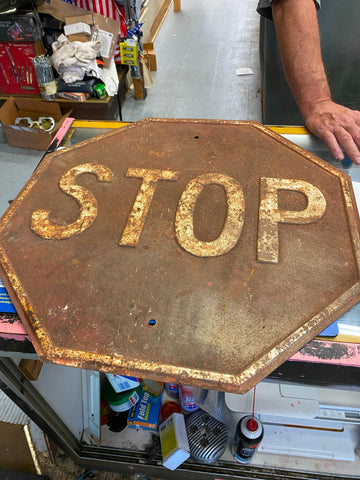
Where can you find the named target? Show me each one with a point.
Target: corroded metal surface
(205, 252)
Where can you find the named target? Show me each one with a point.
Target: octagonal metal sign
(204, 252)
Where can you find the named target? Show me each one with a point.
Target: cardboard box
(98, 33)
(79, 27)
(108, 29)
(87, 20)
(77, 97)
(26, 107)
(129, 52)
(145, 414)
(174, 442)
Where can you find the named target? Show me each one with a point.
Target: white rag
(72, 60)
(81, 55)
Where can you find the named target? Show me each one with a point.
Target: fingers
(332, 144)
(347, 142)
(339, 128)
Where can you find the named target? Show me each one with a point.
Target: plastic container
(120, 383)
(168, 408)
(187, 400)
(153, 387)
(119, 402)
(172, 389)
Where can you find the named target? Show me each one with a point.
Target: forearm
(298, 36)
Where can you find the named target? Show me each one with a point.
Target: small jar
(187, 400)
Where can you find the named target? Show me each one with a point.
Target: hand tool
(12, 63)
(3, 70)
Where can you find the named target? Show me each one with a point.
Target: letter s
(42, 226)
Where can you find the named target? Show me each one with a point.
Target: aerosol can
(248, 435)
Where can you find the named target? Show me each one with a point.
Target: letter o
(184, 220)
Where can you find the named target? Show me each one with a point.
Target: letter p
(270, 215)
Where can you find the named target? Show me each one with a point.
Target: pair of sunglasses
(42, 123)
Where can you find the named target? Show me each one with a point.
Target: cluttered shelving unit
(30, 34)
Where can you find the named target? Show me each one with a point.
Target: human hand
(337, 126)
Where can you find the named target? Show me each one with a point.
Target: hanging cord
(253, 407)
(253, 424)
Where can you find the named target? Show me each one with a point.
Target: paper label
(105, 38)
(168, 438)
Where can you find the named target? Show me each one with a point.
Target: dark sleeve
(264, 7)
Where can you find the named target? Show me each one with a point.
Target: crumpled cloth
(74, 60)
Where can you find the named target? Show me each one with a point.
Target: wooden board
(152, 17)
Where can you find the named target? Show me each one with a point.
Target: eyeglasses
(42, 123)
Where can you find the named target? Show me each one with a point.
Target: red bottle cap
(252, 425)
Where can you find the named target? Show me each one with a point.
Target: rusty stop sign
(205, 252)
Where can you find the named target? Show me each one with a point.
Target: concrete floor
(198, 51)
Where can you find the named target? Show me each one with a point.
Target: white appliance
(303, 420)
